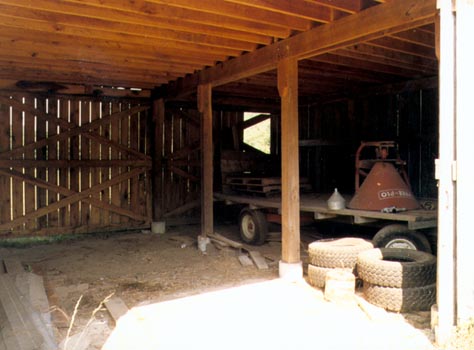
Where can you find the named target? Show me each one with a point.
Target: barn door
(71, 166)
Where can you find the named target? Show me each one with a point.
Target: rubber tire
(257, 226)
(400, 268)
(317, 275)
(340, 253)
(401, 299)
(389, 233)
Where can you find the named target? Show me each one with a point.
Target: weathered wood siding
(334, 130)
(73, 165)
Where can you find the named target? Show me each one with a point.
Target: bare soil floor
(142, 268)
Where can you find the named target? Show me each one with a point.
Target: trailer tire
(401, 299)
(399, 268)
(253, 226)
(317, 275)
(337, 253)
(399, 236)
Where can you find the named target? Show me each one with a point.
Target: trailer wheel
(399, 236)
(253, 226)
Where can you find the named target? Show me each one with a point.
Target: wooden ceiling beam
(88, 70)
(77, 25)
(350, 6)
(370, 24)
(149, 70)
(415, 36)
(89, 49)
(68, 77)
(416, 62)
(395, 44)
(349, 59)
(307, 10)
(145, 12)
(225, 8)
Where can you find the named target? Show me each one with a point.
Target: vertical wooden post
(158, 111)
(288, 89)
(446, 188)
(205, 109)
(465, 171)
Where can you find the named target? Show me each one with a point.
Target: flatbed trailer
(410, 229)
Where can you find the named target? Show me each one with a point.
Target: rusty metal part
(382, 188)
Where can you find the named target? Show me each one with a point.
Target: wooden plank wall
(411, 118)
(60, 175)
(181, 156)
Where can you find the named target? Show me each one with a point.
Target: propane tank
(336, 201)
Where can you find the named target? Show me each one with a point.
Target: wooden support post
(445, 166)
(157, 164)
(288, 89)
(464, 170)
(205, 109)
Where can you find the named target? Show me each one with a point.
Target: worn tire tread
(418, 269)
(401, 299)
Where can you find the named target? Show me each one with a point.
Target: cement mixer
(383, 199)
(385, 186)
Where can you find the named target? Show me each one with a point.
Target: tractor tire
(253, 226)
(317, 275)
(401, 299)
(399, 236)
(399, 268)
(337, 253)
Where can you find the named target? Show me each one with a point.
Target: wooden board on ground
(28, 328)
(13, 266)
(245, 260)
(258, 259)
(116, 307)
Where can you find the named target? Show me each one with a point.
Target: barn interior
(119, 115)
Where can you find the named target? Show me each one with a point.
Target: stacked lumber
(24, 309)
(260, 185)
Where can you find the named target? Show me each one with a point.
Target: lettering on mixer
(387, 194)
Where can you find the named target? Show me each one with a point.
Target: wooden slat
(64, 213)
(115, 154)
(17, 142)
(134, 144)
(30, 190)
(85, 156)
(74, 172)
(4, 146)
(95, 154)
(53, 218)
(124, 185)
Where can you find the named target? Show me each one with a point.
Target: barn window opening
(257, 131)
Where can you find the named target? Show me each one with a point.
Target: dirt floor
(143, 268)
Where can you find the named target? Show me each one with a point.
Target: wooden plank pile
(261, 185)
(24, 310)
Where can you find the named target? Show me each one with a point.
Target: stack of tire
(326, 255)
(398, 280)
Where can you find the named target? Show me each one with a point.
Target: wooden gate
(71, 165)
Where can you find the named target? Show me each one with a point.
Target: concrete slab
(276, 314)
